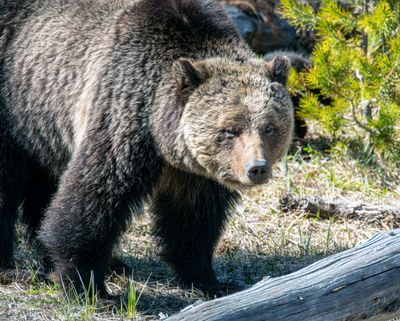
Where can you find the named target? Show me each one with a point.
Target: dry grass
(260, 240)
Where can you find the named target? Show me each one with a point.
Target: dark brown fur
(112, 103)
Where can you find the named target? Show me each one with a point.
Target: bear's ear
(193, 73)
(190, 76)
(278, 69)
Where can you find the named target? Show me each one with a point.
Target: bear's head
(227, 120)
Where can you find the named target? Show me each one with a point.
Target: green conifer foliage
(356, 62)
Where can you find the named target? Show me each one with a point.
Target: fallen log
(342, 208)
(362, 283)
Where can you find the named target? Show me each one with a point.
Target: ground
(261, 240)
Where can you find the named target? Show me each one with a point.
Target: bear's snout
(257, 171)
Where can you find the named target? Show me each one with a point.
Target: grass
(260, 240)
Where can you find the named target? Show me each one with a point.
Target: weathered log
(342, 208)
(362, 283)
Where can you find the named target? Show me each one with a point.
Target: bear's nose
(257, 170)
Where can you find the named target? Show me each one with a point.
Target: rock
(260, 24)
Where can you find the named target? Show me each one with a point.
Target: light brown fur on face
(238, 116)
(248, 146)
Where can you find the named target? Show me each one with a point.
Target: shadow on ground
(161, 292)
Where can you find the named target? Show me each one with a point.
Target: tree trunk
(362, 283)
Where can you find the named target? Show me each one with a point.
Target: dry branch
(316, 206)
(362, 283)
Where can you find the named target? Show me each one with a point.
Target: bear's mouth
(243, 184)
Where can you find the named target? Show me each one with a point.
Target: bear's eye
(231, 132)
(269, 130)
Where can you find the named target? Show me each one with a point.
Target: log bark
(362, 283)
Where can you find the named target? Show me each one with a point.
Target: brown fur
(235, 97)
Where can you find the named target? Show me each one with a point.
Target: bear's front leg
(90, 211)
(190, 213)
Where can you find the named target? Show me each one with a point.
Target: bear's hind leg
(40, 189)
(190, 214)
(13, 173)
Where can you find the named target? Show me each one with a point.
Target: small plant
(130, 310)
(132, 301)
(89, 299)
(356, 63)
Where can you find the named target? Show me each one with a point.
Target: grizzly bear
(108, 104)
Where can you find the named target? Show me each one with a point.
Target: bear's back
(68, 57)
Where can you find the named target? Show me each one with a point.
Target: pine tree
(356, 62)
